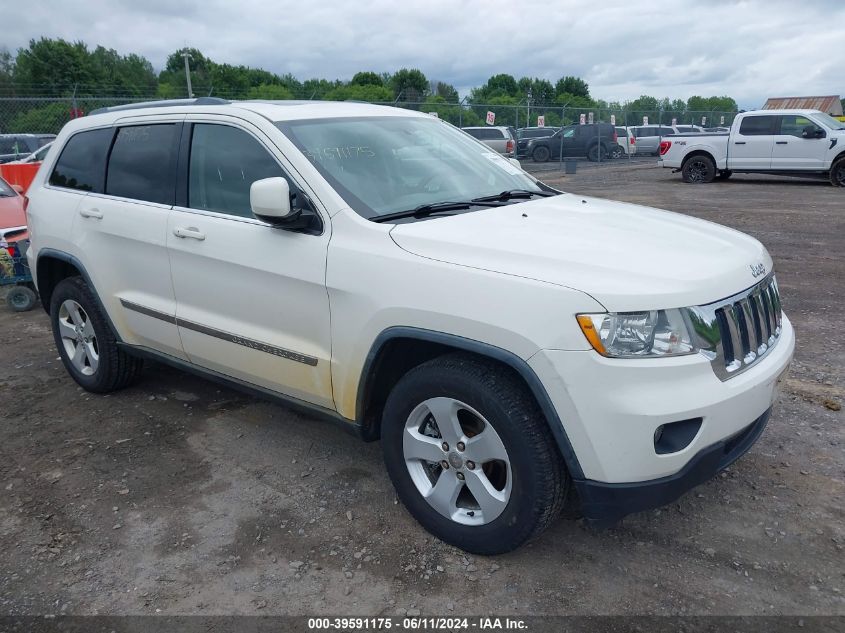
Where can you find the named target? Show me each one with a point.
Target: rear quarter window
(82, 163)
(757, 125)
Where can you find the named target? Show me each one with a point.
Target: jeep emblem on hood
(757, 270)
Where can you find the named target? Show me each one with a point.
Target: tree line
(58, 68)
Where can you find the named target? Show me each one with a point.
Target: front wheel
(699, 169)
(837, 173)
(86, 344)
(470, 455)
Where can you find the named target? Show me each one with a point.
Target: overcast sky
(748, 50)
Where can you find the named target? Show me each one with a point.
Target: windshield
(383, 165)
(829, 121)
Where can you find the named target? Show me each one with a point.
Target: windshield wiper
(425, 210)
(512, 194)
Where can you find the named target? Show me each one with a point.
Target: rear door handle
(91, 213)
(781, 142)
(190, 231)
(740, 143)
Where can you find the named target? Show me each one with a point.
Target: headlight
(638, 334)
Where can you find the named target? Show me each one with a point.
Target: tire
(541, 154)
(725, 174)
(77, 322)
(526, 489)
(837, 172)
(617, 152)
(21, 298)
(699, 169)
(596, 153)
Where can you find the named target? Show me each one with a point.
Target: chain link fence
(47, 115)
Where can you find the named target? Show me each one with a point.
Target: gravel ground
(178, 496)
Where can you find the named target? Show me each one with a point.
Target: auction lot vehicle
(649, 137)
(595, 141)
(17, 146)
(626, 141)
(525, 134)
(506, 342)
(499, 138)
(790, 142)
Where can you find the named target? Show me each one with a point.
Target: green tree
(47, 119)
(366, 78)
(444, 90)
(572, 86)
(357, 92)
(7, 71)
(270, 92)
(409, 84)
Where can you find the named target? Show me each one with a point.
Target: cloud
(748, 49)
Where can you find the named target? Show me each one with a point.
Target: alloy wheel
(78, 337)
(457, 461)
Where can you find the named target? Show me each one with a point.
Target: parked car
(626, 142)
(793, 142)
(525, 134)
(717, 129)
(498, 138)
(649, 137)
(17, 146)
(35, 157)
(593, 141)
(379, 268)
(12, 216)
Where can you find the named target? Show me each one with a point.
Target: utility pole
(187, 56)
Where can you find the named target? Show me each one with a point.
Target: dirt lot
(178, 496)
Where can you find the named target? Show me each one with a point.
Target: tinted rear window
(757, 125)
(82, 164)
(141, 163)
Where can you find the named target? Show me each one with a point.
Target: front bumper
(604, 504)
(611, 408)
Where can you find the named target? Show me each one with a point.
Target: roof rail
(166, 103)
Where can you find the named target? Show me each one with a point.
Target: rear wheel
(541, 154)
(471, 456)
(699, 169)
(86, 344)
(837, 173)
(596, 153)
(617, 152)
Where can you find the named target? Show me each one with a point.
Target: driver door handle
(781, 142)
(190, 231)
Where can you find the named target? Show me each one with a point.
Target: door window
(225, 161)
(757, 125)
(141, 165)
(793, 125)
(82, 164)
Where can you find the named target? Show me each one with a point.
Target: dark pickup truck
(593, 141)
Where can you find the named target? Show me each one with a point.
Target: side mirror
(18, 189)
(270, 201)
(811, 131)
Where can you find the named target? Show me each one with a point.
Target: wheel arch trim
(51, 253)
(520, 366)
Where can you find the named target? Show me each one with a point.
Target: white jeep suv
(514, 347)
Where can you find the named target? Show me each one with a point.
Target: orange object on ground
(19, 173)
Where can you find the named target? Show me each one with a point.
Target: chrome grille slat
(736, 332)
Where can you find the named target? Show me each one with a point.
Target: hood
(625, 256)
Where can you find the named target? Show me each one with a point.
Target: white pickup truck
(790, 142)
